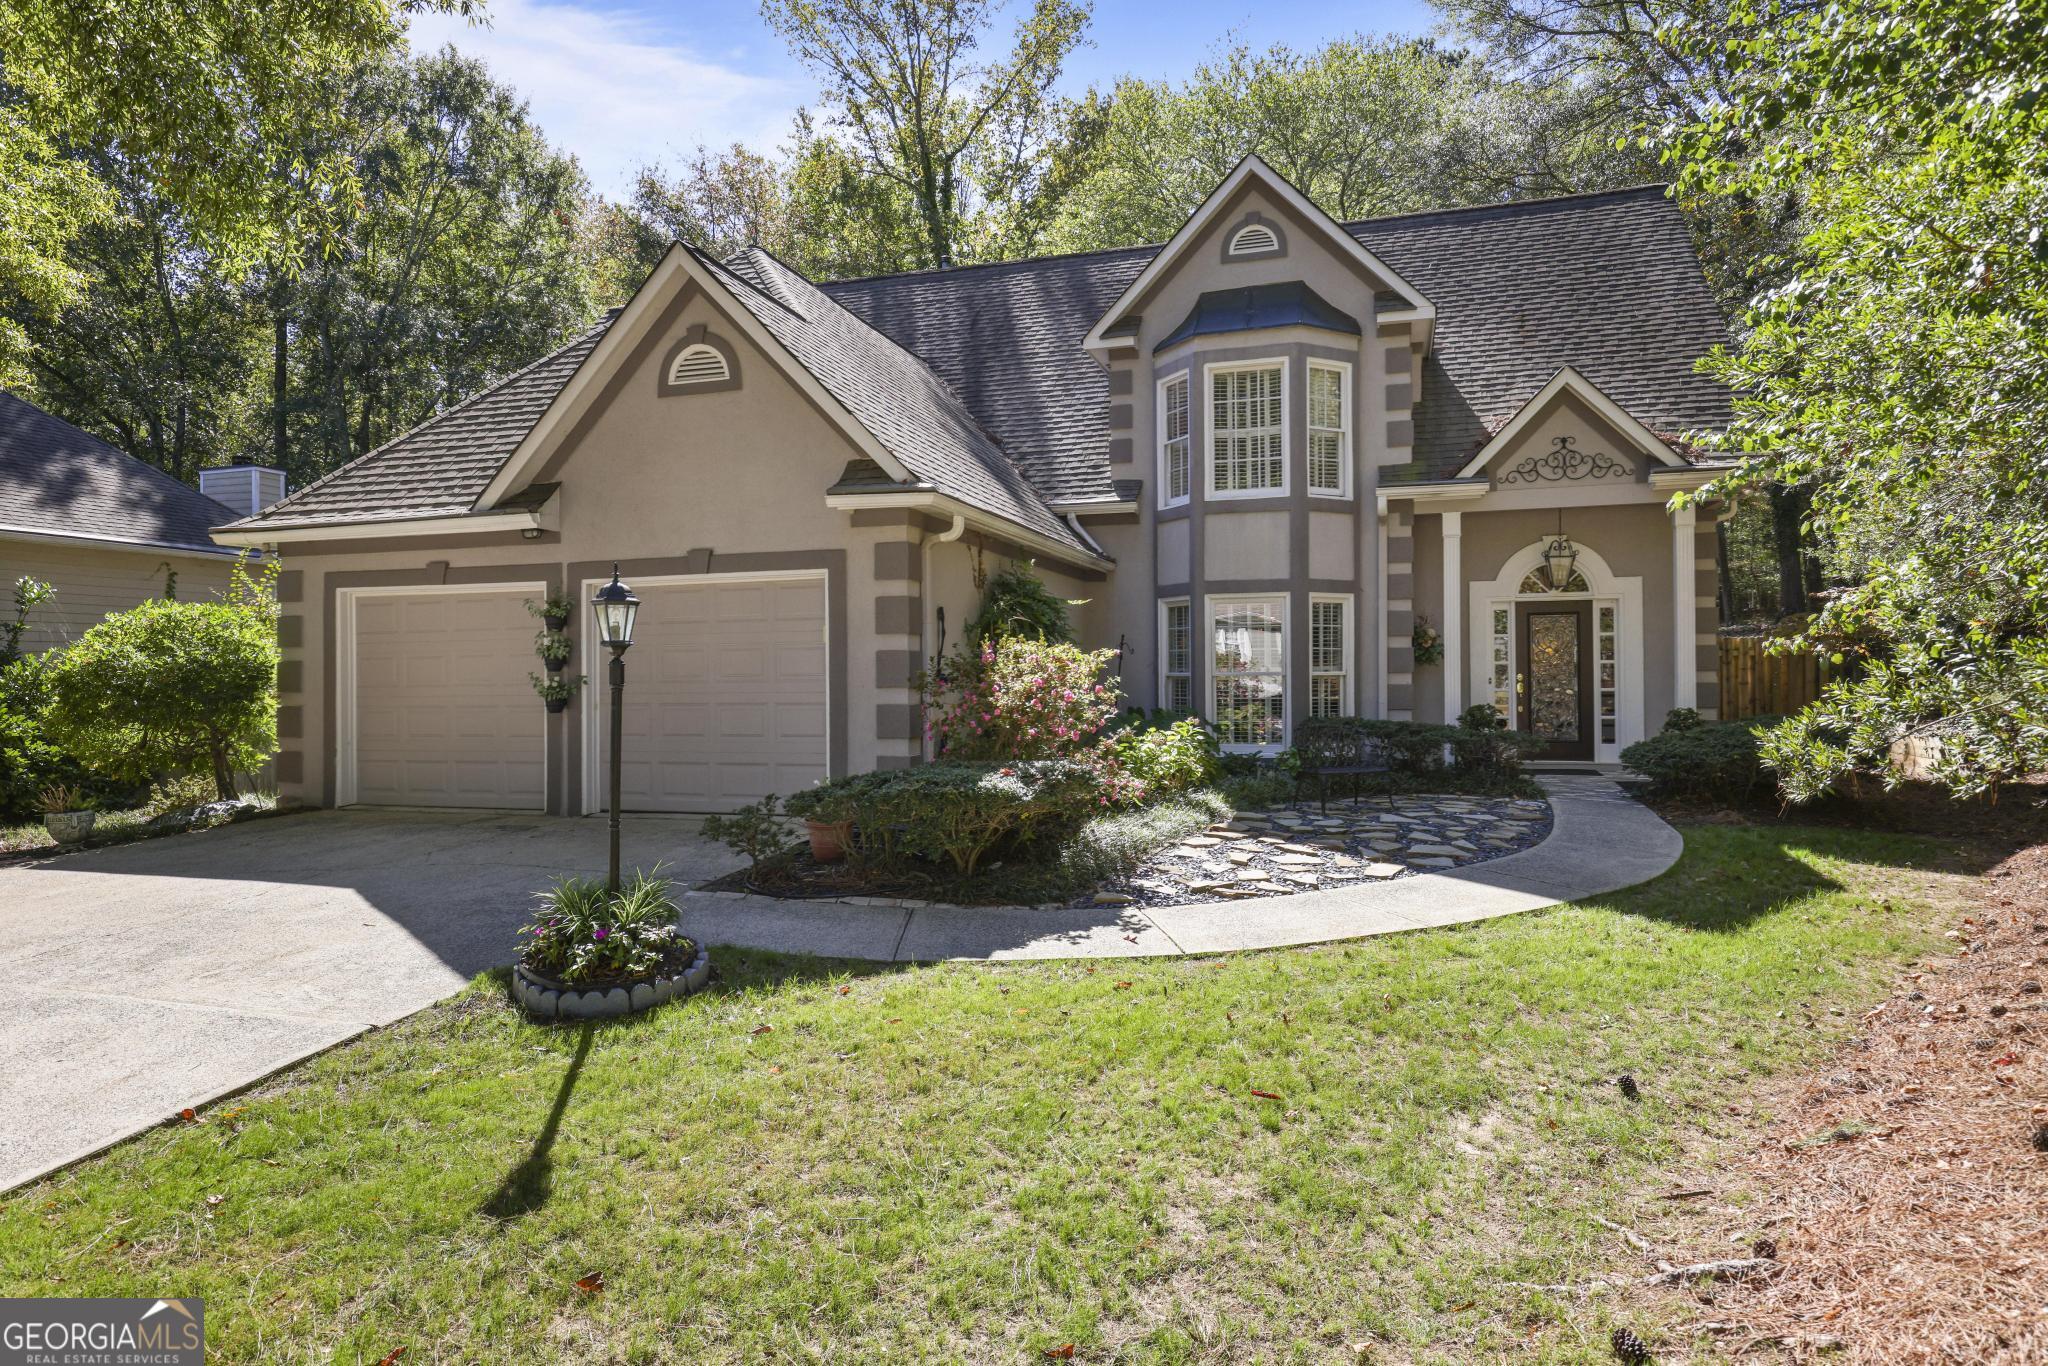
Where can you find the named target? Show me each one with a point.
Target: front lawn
(1282, 1155)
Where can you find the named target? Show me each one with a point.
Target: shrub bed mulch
(1905, 1187)
(1275, 852)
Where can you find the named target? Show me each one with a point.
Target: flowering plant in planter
(1428, 642)
(582, 937)
(554, 610)
(557, 690)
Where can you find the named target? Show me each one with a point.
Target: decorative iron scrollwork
(1564, 460)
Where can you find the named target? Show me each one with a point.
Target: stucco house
(103, 528)
(1263, 453)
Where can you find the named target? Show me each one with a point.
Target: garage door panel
(729, 702)
(444, 713)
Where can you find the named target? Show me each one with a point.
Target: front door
(1556, 678)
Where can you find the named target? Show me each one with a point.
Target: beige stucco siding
(722, 483)
(92, 581)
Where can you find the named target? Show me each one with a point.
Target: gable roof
(439, 467)
(64, 482)
(1569, 381)
(1606, 282)
(975, 379)
(1253, 170)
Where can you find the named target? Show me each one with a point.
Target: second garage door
(725, 695)
(444, 715)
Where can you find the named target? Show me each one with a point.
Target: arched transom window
(1538, 581)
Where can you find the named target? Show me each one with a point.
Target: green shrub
(173, 687)
(1482, 716)
(1257, 789)
(1170, 759)
(1682, 718)
(1017, 603)
(757, 829)
(581, 936)
(1107, 848)
(952, 811)
(1713, 760)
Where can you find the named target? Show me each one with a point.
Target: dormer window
(701, 363)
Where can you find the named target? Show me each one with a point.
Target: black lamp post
(616, 608)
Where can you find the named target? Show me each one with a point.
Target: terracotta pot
(828, 841)
(69, 827)
(557, 705)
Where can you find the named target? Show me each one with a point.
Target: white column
(1380, 600)
(1454, 616)
(1685, 617)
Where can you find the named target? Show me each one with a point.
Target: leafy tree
(172, 686)
(1900, 371)
(1362, 126)
(960, 138)
(194, 93)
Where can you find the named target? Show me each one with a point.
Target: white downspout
(1074, 521)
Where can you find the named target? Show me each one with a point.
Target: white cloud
(614, 90)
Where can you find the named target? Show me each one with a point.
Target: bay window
(1247, 429)
(1176, 657)
(1329, 429)
(1248, 673)
(1175, 474)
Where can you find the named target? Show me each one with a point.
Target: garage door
(444, 713)
(725, 695)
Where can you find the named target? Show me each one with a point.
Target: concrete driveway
(158, 975)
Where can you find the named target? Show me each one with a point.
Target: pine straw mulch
(1906, 1185)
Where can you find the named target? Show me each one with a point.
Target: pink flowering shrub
(1015, 699)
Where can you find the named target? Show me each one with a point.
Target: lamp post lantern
(616, 607)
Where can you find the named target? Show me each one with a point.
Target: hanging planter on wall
(1428, 642)
(554, 611)
(554, 650)
(557, 690)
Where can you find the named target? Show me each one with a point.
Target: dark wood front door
(1555, 684)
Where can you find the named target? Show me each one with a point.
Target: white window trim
(1209, 429)
(1194, 701)
(1166, 500)
(1210, 603)
(1344, 456)
(1346, 704)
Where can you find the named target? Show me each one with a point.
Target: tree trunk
(280, 380)
(1788, 511)
(1725, 582)
(223, 774)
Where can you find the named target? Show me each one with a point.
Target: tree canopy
(1899, 370)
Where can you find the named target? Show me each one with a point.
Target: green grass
(983, 1162)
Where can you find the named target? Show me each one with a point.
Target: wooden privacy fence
(1757, 682)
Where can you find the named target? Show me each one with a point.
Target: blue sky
(619, 84)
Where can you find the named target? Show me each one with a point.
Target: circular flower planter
(551, 1000)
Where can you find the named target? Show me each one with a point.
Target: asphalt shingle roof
(987, 395)
(889, 391)
(439, 468)
(1606, 282)
(60, 480)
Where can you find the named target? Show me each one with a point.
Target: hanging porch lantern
(1560, 557)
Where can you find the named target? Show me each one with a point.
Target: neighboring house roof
(987, 394)
(1607, 282)
(439, 467)
(1253, 307)
(62, 481)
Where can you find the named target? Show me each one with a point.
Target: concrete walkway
(155, 976)
(1600, 841)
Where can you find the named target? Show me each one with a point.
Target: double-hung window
(1329, 655)
(1248, 675)
(1329, 429)
(1175, 464)
(1247, 429)
(1176, 656)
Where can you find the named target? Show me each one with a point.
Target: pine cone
(1628, 1086)
(1765, 1247)
(1630, 1349)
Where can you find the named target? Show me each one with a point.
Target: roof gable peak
(1254, 171)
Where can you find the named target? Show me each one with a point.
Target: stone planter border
(549, 1000)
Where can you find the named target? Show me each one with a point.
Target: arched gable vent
(1254, 239)
(700, 363)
